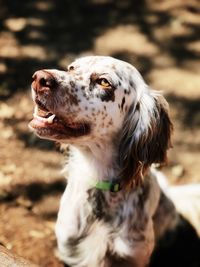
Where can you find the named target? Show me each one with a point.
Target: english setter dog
(115, 127)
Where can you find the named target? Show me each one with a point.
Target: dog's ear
(145, 137)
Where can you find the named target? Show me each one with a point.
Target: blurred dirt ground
(161, 38)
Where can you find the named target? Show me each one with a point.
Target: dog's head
(102, 99)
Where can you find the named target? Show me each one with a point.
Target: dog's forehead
(101, 64)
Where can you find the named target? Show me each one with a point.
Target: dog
(113, 127)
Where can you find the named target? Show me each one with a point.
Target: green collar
(108, 186)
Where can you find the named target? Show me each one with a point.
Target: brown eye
(103, 82)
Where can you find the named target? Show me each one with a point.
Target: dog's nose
(43, 81)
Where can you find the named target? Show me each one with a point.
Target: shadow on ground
(189, 109)
(35, 191)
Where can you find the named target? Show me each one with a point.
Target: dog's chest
(93, 224)
(79, 212)
(82, 229)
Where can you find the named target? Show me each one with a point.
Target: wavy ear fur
(145, 137)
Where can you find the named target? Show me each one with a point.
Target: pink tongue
(40, 121)
(37, 121)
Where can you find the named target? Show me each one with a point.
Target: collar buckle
(115, 187)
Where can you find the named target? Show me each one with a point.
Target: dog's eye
(103, 82)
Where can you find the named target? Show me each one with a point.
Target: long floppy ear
(145, 137)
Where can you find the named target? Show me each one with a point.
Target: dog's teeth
(51, 118)
(35, 111)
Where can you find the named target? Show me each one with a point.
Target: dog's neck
(93, 163)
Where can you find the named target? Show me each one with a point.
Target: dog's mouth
(50, 126)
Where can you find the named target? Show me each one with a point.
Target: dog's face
(89, 101)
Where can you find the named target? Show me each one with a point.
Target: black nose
(43, 81)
